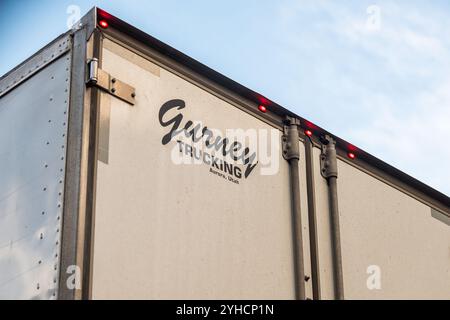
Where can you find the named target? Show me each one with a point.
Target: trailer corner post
(74, 182)
(328, 169)
(291, 153)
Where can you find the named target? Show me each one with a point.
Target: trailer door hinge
(328, 160)
(289, 140)
(103, 80)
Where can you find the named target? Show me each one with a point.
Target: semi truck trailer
(129, 170)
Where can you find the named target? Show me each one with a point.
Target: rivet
(113, 80)
(45, 189)
(113, 90)
(41, 236)
(37, 286)
(39, 261)
(133, 95)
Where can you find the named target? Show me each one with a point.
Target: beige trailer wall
(164, 230)
(392, 247)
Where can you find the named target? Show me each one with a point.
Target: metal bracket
(289, 139)
(103, 80)
(328, 160)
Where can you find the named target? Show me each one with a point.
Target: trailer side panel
(392, 246)
(168, 230)
(33, 127)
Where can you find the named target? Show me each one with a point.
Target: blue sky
(376, 73)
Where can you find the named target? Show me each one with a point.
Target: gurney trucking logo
(232, 156)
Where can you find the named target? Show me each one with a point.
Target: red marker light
(308, 133)
(351, 155)
(262, 108)
(103, 24)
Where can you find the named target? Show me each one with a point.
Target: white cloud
(396, 78)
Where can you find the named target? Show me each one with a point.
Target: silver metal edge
(76, 183)
(440, 216)
(74, 180)
(89, 228)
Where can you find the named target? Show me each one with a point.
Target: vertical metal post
(312, 219)
(94, 109)
(77, 180)
(74, 181)
(328, 170)
(292, 154)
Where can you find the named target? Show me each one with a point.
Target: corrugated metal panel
(33, 125)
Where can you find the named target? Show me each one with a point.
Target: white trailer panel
(33, 127)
